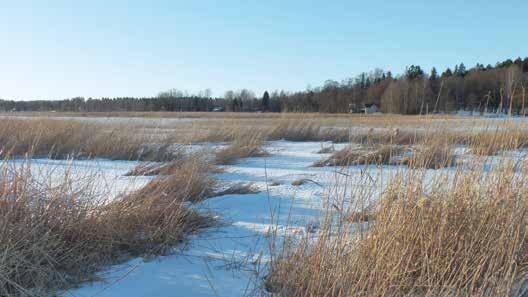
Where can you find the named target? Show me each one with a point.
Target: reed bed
(73, 139)
(147, 141)
(55, 237)
(456, 233)
(267, 119)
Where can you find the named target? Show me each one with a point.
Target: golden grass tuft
(309, 129)
(188, 180)
(388, 137)
(246, 143)
(380, 155)
(435, 152)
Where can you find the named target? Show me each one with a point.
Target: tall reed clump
(189, 179)
(461, 233)
(311, 129)
(493, 140)
(434, 152)
(392, 136)
(54, 237)
(246, 143)
(378, 155)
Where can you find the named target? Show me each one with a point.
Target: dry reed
(450, 234)
(381, 155)
(246, 143)
(54, 237)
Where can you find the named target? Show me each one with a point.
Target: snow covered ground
(228, 260)
(105, 178)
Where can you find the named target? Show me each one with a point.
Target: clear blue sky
(58, 49)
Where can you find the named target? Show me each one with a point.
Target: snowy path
(222, 261)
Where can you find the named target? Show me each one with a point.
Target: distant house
(363, 108)
(370, 108)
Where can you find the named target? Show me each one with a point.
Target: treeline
(79, 104)
(499, 88)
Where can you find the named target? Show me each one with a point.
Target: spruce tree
(434, 74)
(265, 101)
